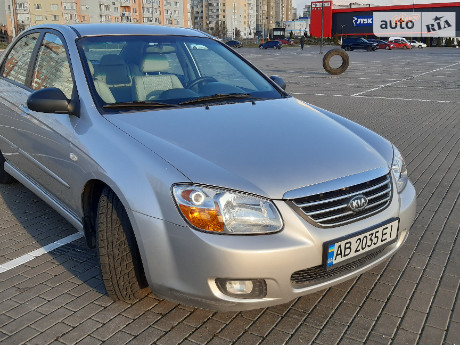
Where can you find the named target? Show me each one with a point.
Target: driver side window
(52, 68)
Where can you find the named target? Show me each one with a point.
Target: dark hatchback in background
(271, 44)
(358, 43)
(234, 44)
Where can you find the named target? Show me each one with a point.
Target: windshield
(157, 71)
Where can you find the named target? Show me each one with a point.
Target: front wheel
(119, 257)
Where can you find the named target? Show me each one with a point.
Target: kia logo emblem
(357, 203)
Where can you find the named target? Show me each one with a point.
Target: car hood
(267, 148)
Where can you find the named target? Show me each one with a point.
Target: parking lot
(51, 289)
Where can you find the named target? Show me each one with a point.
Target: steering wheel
(201, 80)
(153, 95)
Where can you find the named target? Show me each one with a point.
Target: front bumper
(182, 264)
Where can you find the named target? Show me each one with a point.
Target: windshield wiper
(218, 97)
(139, 104)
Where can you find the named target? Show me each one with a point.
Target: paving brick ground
(410, 97)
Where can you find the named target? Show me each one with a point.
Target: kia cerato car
(193, 174)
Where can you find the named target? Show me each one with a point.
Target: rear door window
(17, 62)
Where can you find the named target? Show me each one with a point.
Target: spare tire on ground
(327, 60)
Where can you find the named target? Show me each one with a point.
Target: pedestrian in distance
(302, 42)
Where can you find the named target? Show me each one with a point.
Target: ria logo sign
(425, 24)
(438, 24)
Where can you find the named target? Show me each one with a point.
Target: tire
(347, 48)
(369, 49)
(327, 59)
(387, 48)
(119, 257)
(404, 47)
(5, 178)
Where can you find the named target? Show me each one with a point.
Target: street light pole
(341, 37)
(413, 10)
(322, 27)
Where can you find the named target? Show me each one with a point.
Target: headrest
(112, 60)
(154, 63)
(115, 70)
(160, 49)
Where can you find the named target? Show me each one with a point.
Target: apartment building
(21, 14)
(271, 14)
(225, 18)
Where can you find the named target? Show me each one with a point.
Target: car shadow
(26, 224)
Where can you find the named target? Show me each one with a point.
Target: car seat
(154, 79)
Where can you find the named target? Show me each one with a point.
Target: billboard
(317, 15)
(424, 24)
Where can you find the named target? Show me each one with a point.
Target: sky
(300, 4)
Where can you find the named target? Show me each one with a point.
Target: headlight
(399, 170)
(227, 212)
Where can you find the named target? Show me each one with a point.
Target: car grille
(331, 208)
(318, 274)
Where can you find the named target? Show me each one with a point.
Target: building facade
(21, 14)
(225, 18)
(272, 14)
(222, 18)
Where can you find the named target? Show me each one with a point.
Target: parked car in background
(381, 44)
(358, 43)
(286, 41)
(400, 43)
(271, 44)
(234, 44)
(191, 171)
(417, 44)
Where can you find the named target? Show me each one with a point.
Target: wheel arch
(89, 201)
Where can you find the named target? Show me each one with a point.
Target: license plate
(354, 246)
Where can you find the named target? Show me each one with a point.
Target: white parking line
(406, 99)
(38, 252)
(405, 79)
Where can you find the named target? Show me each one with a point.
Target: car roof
(104, 29)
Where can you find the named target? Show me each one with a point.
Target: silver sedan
(193, 174)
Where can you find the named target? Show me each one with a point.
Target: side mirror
(49, 100)
(279, 81)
